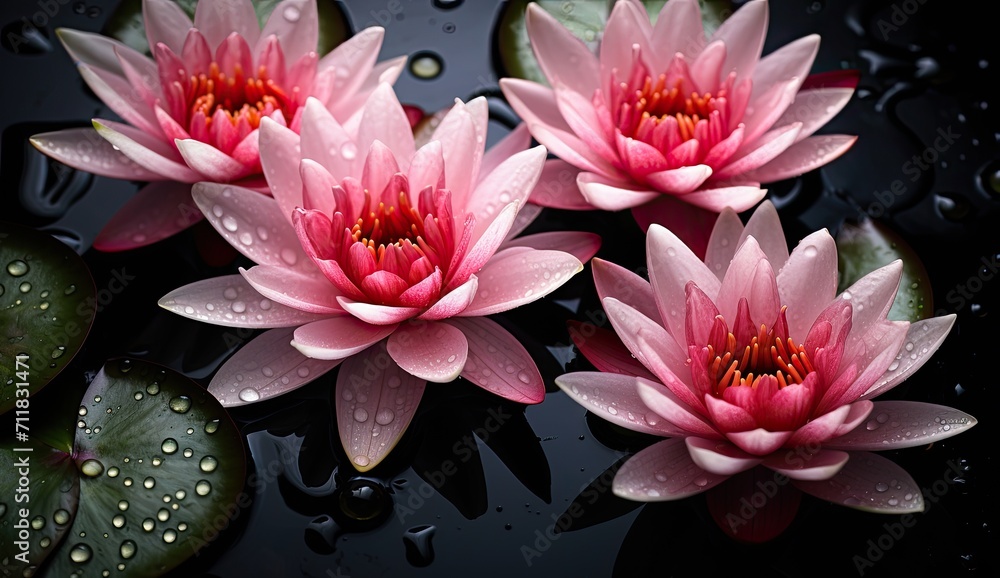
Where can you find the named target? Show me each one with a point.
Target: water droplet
(349, 150)
(148, 524)
(229, 223)
(302, 371)
(149, 483)
(246, 238)
(291, 13)
(202, 488)
(81, 553)
(249, 394)
(169, 535)
(123, 504)
(24, 287)
(362, 460)
(188, 452)
(846, 295)
(169, 446)
(810, 251)
(239, 307)
(61, 517)
(426, 65)
(230, 293)
(118, 521)
(393, 382)
(153, 388)
(360, 415)
(180, 404)
(92, 468)
(38, 522)
(208, 464)
(69, 290)
(881, 487)
(127, 549)
(384, 416)
(212, 426)
(612, 410)
(17, 268)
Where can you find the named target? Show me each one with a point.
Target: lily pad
(155, 474)
(46, 310)
(585, 19)
(126, 23)
(869, 245)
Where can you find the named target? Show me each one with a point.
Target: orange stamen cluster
(398, 225)
(238, 96)
(765, 354)
(654, 102)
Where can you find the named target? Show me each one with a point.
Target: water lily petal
(792, 60)
(671, 266)
(562, 56)
(231, 301)
(925, 336)
(266, 367)
(662, 400)
(616, 281)
(719, 457)
(807, 282)
(374, 408)
(718, 195)
(217, 19)
(516, 141)
(678, 29)
(610, 194)
(614, 397)
(324, 140)
(760, 152)
(605, 351)
(743, 33)
(155, 212)
(663, 471)
(811, 467)
(858, 483)
(581, 245)
(84, 149)
(802, 157)
(142, 155)
(212, 163)
(759, 442)
(512, 181)
(814, 108)
(310, 293)
(429, 350)
(295, 24)
(513, 280)
(765, 227)
(338, 337)
(384, 121)
(722, 245)
(903, 424)
(165, 22)
(454, 302)
(492, 346)
(386, 315)
(829, 425)
(679, 181)
(280, 160)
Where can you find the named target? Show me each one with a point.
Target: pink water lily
(751, 358)
(194, 110)
(386, 258)
(669, 123)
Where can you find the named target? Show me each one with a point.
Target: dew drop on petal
(127, 549)
(81, 553)
(249, 394)
(208, 464)
(92, 468)
(360, 415)
(362, 460)
(202, 488)
(384, 416)
(180, 404)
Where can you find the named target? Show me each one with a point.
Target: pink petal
(626, 34)
(159, 210)
(457, 133)
(103, 53)
(706, 69)
(513, 280)
(749, 276)
(719, 457)
(498, 363)
(926, 336)
(351, 64)
(763, 113)
(679, 181)
(374, 408)
(807, 282)
(280, 159)
(454, 302)
(583, 246)
(792, 60)
(616, 281)
(165, 22)
(266, 367)
(240, 215)
(562, 56)
(814, 108)
(84, 149)
(640, 158)
(317, 188)
(809, 467)
(740, 197)
(210, 162)
(325, 141)
(557, 187)
(802, 157)
(759, 442)
(516, 141)
(761, 151)
(579, 113)
(671, 266)
(723, 242)
(377, 314)
(217, 19)
(338, 337)
(857, 486)
(427, 167)
(875, 292)
(145, 157)
(819, 430)
(720, 153)
(613, 397)
(379, 169)
(727, 416)
(662, 400)
(384, 121)
(678, 29)
(663, 471)
(611, 194)
(912, 417)
(232, 302)
(526, 215)
(310, 293)
(743, 34)
(298, 36)
(605, 351)
(432, 351)
(689, 223)
(765, 226)
(510, 182)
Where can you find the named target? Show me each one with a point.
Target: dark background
(925, 65)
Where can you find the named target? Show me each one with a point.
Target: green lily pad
(155, 474)
(126, 23)
(869, 245)
(46, 310)
(585, 19)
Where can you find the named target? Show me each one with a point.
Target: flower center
(397, 225)
(649, 105)
(743, 362)
(238, 96)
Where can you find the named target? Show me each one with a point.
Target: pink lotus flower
(750, 358)
(194, 111)
(663, 120)
(385, 258)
